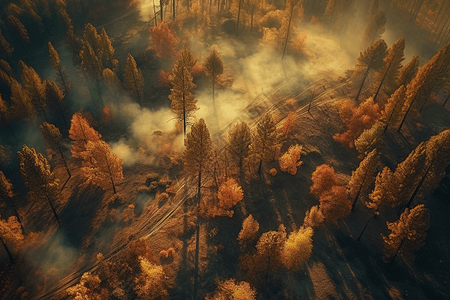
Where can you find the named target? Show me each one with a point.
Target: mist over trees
(223, 149)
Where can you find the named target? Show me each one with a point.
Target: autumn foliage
(230, 193)
(249, 229)
(335, 204)
(291, 160)
(356, 119)
(164, 40)
(297, 249)
(81, 133)
(313, 217)
(323, 179)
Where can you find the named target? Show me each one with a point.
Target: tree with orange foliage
(21, 102)
(291, 160)
(335, 204)
(100, 165)
(230, 193)
(10, 232)
(81, 133)
(164, 40)
(133, 81)
(356, 119)
(323, 179)
(408, 233)
(249, 229)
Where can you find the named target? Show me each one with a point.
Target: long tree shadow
(77, 215)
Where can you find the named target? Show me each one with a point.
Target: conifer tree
(55, 98)
(197, 154)
(388, 75)
(239, 140)
(391, 114)
(81, 133)
(60, 71)
(323, 179)
(91, 64)
(5, 47)
(75, 45)
(408, 233)
(214, 67)
(133, 80)
(363, 177)
(408, 72)
(182, 100)
(53, 140)
(369, 139)
(111, 81)
(21, 102)
(335, 204)
(164, 40)
(188, 58)
(91, 36)
(297, 249)
(10, 232)
(370, 59)
(290, 7)
(106, 48)
(18, 27)
(408, 174)
(101, 166)
(374, 29)
(41, 182)
(265, 140)
(7, 195)
(32, 84)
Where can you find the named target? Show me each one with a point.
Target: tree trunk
(161, 4)
(396, 252)
(154, 13)
(406, 114)
(362, 83)
(237, 22)
(419, 185)
(7, 250)
(54, 210)
(260, 167)
(287, 34)
(384, 77)
(173, 9)
(365, 227)
(359, 191)
(446, 100)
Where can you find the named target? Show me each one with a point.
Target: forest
(224, 149)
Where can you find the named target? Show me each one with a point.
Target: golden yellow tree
(369, 139)
(239, 140)
(53, 140)
(81, 133)
(91, 36)
(391, 114)
(107, 48)
(268, 250)
(182, 100)
(231, 289)
(313, 217)
(363, 177)
(41, 182)
(100, 165)
(291, 160)
(10, 233)
(88, 288)
(297, 249)
(133, 80)
(249, 229)
(408, 233)
(230, 193)
(151, 283)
